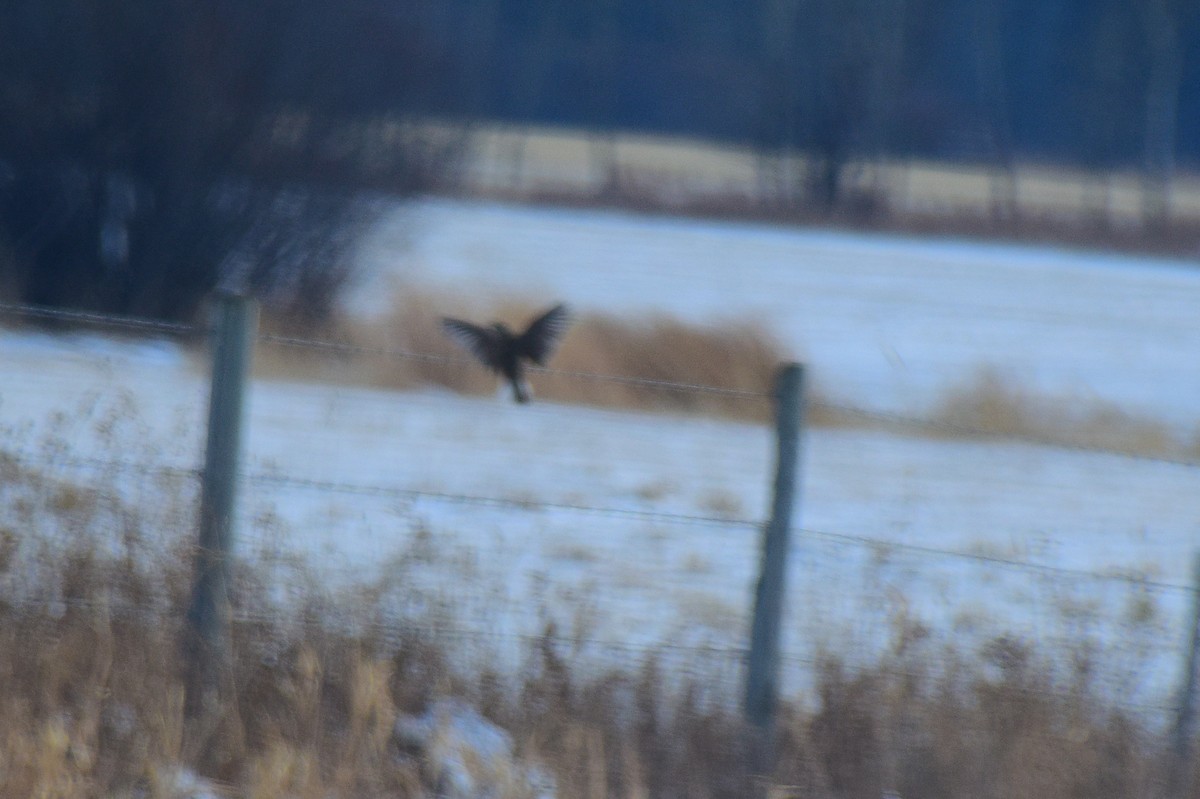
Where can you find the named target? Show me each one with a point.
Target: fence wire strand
(98, 319)
(850, 539)
(887, 418)
(496, 502)
(660, 517)
(452, 360)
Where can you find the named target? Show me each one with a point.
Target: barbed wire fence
(812, 544)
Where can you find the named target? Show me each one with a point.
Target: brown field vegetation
(91, 704)
(649, 364)
(986, 404)
(602, 361)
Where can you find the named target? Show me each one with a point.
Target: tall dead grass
(988, 403)
(91, 704)
(92, 691)
(654, 360)
(665, 364)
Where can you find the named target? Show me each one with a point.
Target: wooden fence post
(1179, 772)
(762, 673)
(207, 634)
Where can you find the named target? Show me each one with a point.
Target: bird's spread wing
(538, 341)
(479, 341)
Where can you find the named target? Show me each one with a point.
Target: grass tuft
(990, 404)
(737, 356)
(731, 356)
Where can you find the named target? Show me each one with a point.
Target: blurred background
(151, 148)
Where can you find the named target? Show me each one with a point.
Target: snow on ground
(886, 322)
(514, 516)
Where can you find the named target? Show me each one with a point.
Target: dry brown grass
(92, 694)
(655, 360)
(989, 404)
(644, 355)
(737, 357)
(91, 704)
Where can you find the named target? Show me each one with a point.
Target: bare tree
(777, 129)
(537, 61)
(1105, 65)
(180, 134)
(604, 49)
(993, 94)
(887, 31)
(824, 91)
(1162, 23)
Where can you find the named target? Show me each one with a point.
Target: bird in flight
(504, 351)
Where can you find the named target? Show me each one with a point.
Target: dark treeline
(1062, 80)
(1097, 84)
(149, 148)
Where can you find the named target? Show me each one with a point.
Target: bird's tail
(521, 390)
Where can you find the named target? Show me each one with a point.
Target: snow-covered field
(886, 321)
(633, 529)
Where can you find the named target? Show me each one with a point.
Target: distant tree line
(1099, 84)
(150, 149)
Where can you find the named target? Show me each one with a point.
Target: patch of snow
(175, 782)
(465, 756)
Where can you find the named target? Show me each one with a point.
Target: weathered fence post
(762, 673)
(1179, 771)
(207, 633)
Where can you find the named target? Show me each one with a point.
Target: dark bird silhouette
(504, 351)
